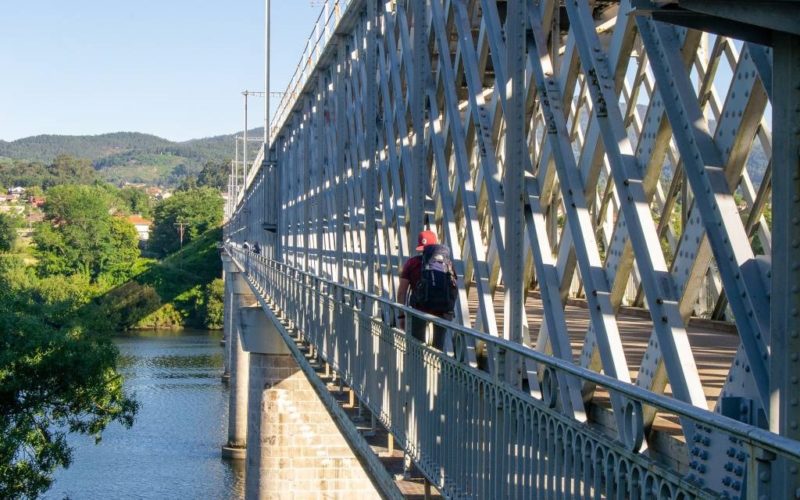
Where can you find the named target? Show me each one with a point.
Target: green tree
(188, 183)
(214, 175)
(80, 236)
(213, 301)
(8, 232)
(22, 173)
(194, 211)
(68, 170)
(56, 377)
(136, 201)
(34, 191)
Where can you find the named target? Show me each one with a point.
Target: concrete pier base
(234, 453)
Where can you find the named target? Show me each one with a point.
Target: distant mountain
(128, 156)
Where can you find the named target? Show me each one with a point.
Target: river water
(173, 448)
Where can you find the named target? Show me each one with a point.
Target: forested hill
(127, 156)
(45, 148)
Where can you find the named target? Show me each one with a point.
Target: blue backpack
(436, 290)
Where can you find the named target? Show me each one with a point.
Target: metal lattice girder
(661, 293)
(569, 151)
(580, 224)
(742, 116)
(465, 185)
(619, 255)
(538, 239)
(704, 169)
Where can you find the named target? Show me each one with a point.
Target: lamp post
(266, 77)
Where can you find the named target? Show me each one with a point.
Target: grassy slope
(146, 168)
(181, 290)
(181, 280)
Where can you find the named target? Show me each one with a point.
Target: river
(173, 448)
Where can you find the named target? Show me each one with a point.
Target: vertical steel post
(370, 117)
(280, 211)
(244, 144)
(230, 184)
(340, 170)
(515, 148)
(415, 198)
(785, 296)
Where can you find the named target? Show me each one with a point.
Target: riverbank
(182, 291)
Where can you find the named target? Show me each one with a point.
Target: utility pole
(181, 225)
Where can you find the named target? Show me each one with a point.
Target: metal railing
(250, 174)
(475, 436)
(324, 28)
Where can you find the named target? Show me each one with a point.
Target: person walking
(431, 279)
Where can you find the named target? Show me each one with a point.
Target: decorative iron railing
(474, 435)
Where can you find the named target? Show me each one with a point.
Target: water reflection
(172, 451)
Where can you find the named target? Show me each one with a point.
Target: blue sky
(173, 68)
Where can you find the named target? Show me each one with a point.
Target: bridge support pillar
(241, 297)
(294, 448)
(227, 327)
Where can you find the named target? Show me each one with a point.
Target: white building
(142, 226)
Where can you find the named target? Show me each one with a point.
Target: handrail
(251, 174)
(751, 435)
(317, 40)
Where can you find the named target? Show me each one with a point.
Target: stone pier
(227, 327)
(294, 447)
(239, 360)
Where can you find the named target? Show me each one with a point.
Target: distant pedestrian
(246, 245)
(431, 278)
(256, 248)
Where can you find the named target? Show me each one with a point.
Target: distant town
(17, 201)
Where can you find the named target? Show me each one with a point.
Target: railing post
(760, 464)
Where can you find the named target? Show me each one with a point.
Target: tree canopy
(136, 201)
(194, 211)
(213, 175)
(56, 376)
(81, 236)
(8, 232)
(68, 170)
(62, 170)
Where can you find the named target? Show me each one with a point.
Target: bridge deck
(713, 343)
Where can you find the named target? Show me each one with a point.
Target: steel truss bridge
(606, 174)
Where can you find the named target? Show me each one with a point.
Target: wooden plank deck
(713, 343)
